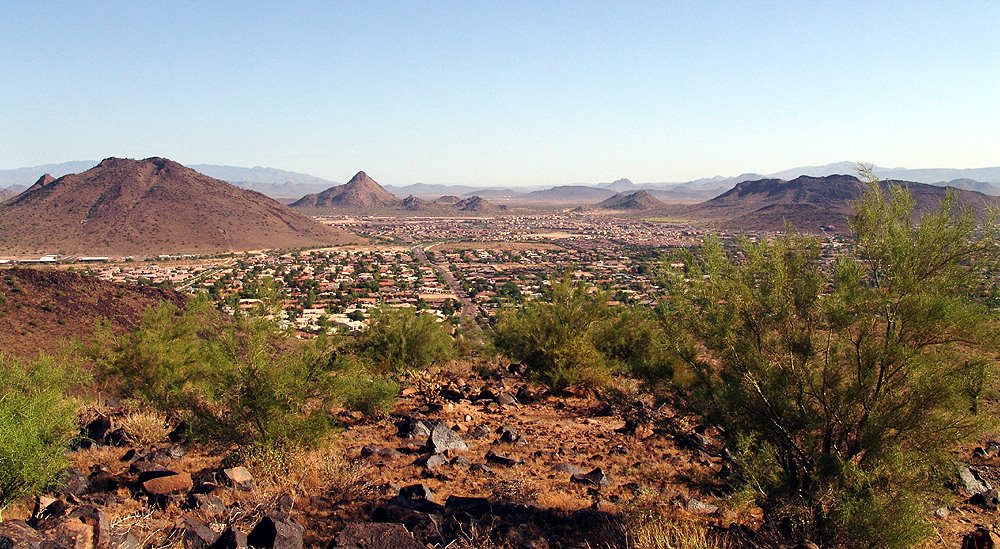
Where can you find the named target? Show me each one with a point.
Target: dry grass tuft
(144, 428)
(324, 470)
(519, 489)
(651, 530)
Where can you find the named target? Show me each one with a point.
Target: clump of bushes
(37, 423)
(398, 339)
(573, 337)
(237, 380)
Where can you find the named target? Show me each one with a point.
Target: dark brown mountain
(139, 207)
(361, 192)
(42, 308)
(809, 203)
(414, 203)
(476, 204)
(638, 200)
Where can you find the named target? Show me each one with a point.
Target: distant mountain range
(293, 185)
(139, 207)
(810, 204)
(364, 193)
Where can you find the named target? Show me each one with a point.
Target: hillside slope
(42, 308)
(136, 207)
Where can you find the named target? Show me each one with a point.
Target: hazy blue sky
(503, 92)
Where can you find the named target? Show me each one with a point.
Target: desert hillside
(137, 207)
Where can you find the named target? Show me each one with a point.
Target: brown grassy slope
(40, 309)
(136, 207)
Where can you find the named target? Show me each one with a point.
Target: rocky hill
(638, 200)
(361, 192)
(136, 207)
(41, 309)
(414, 203)
(810, 203)
(476, 204)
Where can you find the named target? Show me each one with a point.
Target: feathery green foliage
(239, 380)
(400, 339)
(842, 388)
(37, 423)
(572, 336)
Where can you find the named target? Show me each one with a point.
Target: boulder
(16, 534)
(239, 478)
(597, 477)
(276, 532)
(501, 459)
(230, 538)
(442, 439)
(418, 491)
(971, 481)
(195, 534)
(980, 538)
(177, 483)
(374, 535)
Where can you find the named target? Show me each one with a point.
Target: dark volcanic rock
(196, 534)
(980, 538)
(230, 538)
(16, 534)
(501, 459)
(276, 532)
(418, 491)
(373, 535)
(595, 478)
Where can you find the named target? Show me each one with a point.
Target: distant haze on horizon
(514, 94)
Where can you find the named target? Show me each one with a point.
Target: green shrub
(240, 380)
(572, 337)
(165, 359)
(359, 389)
(400, 339)
(840, 390)
(37, 422)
